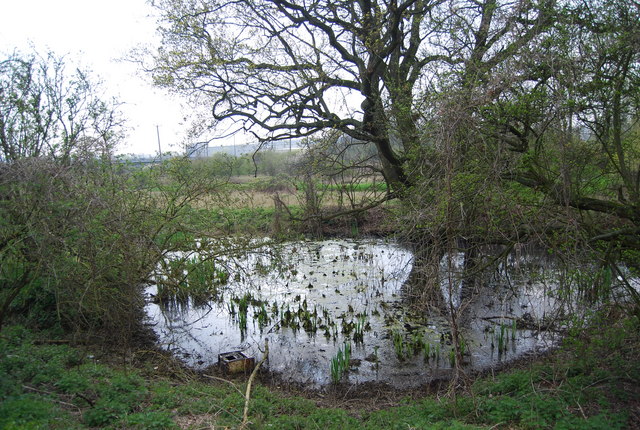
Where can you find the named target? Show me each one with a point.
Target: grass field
(249, 192)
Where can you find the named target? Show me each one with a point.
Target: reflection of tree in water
(329, 293)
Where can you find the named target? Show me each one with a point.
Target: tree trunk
(423, 286)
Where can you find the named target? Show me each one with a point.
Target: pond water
(310, 299)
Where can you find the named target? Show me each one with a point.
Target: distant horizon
(228, 148)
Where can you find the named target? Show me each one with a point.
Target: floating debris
(235, 362)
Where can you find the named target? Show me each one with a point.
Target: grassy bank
(592, 382)
(262, 205)
(265, 221)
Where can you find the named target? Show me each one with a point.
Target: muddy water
(310, 298)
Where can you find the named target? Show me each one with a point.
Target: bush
(80, 239)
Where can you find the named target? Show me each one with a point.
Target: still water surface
(310, 298)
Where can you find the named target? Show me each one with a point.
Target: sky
(96, 35)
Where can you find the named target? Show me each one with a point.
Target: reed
(358, 330)
(398, 344)
(340, 363)
(426, 350)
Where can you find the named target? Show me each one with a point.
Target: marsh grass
(359, 328)
(503, 335)
(398, 344)
(340, 364)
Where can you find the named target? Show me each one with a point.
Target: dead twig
(52, 341)
(52, 398)
(224, 380)
(247, 397)
(86, 399)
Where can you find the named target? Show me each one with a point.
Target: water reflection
(309, 298)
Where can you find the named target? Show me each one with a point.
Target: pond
(311, 300)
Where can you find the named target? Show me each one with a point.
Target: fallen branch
(224, 380)
(86, 399)
(247, 396)
(52, 398)
(51, 341)
(499, 317)
(524, 322)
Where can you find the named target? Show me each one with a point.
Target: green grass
(591, 383)
(359, 187)
(236, 220)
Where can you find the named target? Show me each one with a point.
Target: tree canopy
(294, 68)
(538, 94)
(46, 110)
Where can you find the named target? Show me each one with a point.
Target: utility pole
(159, 148)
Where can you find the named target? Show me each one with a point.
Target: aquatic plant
(398, 344)
(287, 317)
(308, 319)
(340, 363)
(308, 322)
(359, 328)
(262, 316)
(207, 271)
(192, 278)
(347, 327)
(232, 308)
(243, 309)
(408, 350)
(242, 322)
(426, 349)
(417, 342)
(462, 349)
(501, 336)
(262, 268)
(501, 339)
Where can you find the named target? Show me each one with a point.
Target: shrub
(80, 239)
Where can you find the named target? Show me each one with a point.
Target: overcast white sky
(96, 33)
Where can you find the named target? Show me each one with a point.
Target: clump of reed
(340, 363)
(502, 335)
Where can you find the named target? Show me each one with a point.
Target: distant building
(203, 151)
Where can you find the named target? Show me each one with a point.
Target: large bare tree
(292, 68)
